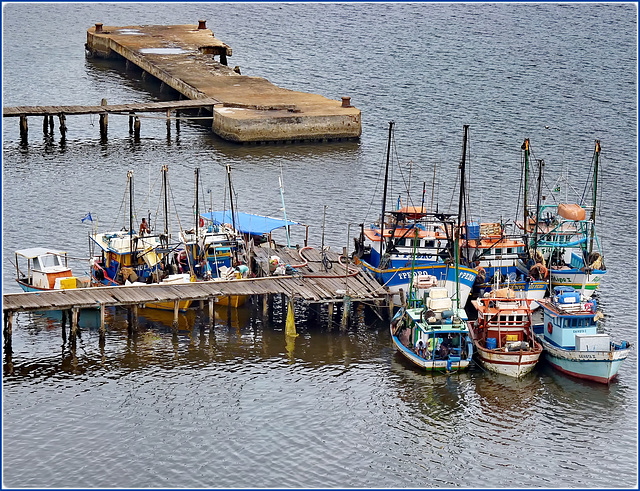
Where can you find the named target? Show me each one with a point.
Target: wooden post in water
(8, 329)
(63, 125)
(51, 123)
(175, 314)
(104, 120)
(283, 300)
(211, 313)
(330, 313)
(102, 326)
(177, 121)
(265, 307)
(134, 315)
(136, 128)
(402, 299)
(24, 128)
(229, 310)
(74, 324)
(131, 118)
(45, 125)
(390, 305)
(168, 122)
(346, 304)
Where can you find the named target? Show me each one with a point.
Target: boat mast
(595, 194)
(165, 169)
(195, 251)
(525, 147)
(535, 233)
(384, 195)
(130, 182)
(460, 207)
(233, 214)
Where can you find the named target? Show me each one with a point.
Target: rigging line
(375, 191)
(122, 204)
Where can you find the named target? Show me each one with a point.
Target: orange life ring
(201, 222)
(549, 328)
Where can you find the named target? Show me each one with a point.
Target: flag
(87, 218)
(557, 189)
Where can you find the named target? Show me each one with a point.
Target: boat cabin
(566, 318)
(503, 322)
(46, 269)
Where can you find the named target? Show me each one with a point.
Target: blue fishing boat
(46, 269)
(571, 341)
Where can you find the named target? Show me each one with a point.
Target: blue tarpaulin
(247, 223)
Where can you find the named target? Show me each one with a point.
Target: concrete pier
(252, 109)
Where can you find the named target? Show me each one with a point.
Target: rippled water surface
(238, 406)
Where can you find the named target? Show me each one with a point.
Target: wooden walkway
(309, 283)
(18, 111)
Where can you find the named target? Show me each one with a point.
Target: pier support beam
(134, 315)
(74, 325)
(229, 310)
(176, 309)
(136, 128)
(24, 128)
(104, 121)
(63, 125)
(8, 330)
(45, 125)
(51, 123)
(330, 313)
(212, 317)
(177, 121)
(265, 308)
(132, 116)
(390, 306)
(346, 304)
(102, 325)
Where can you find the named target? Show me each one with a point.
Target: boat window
(48, 261)
(429, 243)
(509, 250)
(36, 263)
(512, 318)
(503, 319)
(498, 251)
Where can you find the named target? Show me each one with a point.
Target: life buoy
(539, 272)
(549, 328)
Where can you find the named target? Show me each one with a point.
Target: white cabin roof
(34, 252)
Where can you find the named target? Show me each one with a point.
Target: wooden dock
(253, 109)
(312, 283)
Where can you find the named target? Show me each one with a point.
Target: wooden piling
(265, 307)
(390, 305)
(229, 310)
(402, 298)
(211, 313)
(8, 327)
(177, 121)
(103, 329)
(63, 125)
(51, 123)
(45, 125)
(346, 304)
(74, 323)
(24, 128)
(131, 118)
(104, 120)
(136, 127)
(175, 314)
(330, 313)
(168, 122)
(134, 315)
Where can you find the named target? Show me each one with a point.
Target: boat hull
(576, 278)
(429, 365)
(234, 300)
(396, 279)
(596, 366)
(512, 363)
(183, 305)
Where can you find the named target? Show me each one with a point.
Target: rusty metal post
(202, 24)
(98, 27)
(346, 102)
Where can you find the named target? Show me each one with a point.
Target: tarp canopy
(34, 252)
(247, 223)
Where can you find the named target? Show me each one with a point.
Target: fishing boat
(571, 340)
(410, 241)
(503, 335)
(146, 257)
(46, 269)
(565, 236)
(433, 335)
(431, 330)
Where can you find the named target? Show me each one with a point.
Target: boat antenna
(384, 195)
(284, 210)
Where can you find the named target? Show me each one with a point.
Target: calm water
(239, 407)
